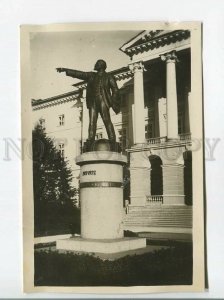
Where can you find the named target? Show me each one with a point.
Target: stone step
(167, 206)
(160, 207)
(158, 222)
(158, 225)
(165, 216)
(159, 214)
(161, 211)
(158, 217)
(145, 215)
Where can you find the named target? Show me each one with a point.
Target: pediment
(141, 38)
(149, 39)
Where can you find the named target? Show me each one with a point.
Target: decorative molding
(40, 104)
(137, 66)
(124, 75)
(157, 41)
(100, 184)
(169, 57)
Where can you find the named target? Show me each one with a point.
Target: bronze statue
(101, 94)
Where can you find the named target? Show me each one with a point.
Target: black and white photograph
(113, 188)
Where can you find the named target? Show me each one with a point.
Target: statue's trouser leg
(105, 114)
(93, 115)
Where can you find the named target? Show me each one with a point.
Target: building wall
(68, 133)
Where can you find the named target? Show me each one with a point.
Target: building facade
(153, 127)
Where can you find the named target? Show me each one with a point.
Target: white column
(171, 94)
(139, 113)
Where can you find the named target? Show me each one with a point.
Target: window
(42, 123)
(180, 123)
(61, 120)
(99, 135)
(122, 138)
(62, 149)
(148, 131)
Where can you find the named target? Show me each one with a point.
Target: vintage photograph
(113, 191)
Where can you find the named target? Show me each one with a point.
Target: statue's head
(100, 65)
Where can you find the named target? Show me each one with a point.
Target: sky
(73, 50)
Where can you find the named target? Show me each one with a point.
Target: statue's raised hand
(60, 70)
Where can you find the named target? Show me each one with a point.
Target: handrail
(154, 199)
(185, 136)
(157, 140)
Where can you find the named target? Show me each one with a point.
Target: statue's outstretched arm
(75, 73)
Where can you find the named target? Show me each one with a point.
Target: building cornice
(56, 100)
(149, 43)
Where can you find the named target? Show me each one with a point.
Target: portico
(161, 75)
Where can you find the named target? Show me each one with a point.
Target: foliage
(52, 184)
(171, 266)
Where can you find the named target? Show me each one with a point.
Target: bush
(171, 266)
(57, 219)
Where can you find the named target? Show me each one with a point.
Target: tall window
(62, 149)
(180, 123)
(156, 175)
(148, 131)
(122, 138)
(61, 120)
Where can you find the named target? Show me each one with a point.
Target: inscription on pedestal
(92, 172)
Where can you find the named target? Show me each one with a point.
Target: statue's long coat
(110, 88)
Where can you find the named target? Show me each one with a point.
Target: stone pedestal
(101, 246)
(101, 197)
(101, 194)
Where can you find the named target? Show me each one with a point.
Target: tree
(54, 210)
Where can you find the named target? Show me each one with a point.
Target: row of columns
(171, 93)
(172, 173)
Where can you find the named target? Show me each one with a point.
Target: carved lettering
(91, 172)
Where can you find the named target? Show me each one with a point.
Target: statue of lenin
(101, 94)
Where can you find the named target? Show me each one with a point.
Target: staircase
(159, 218)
